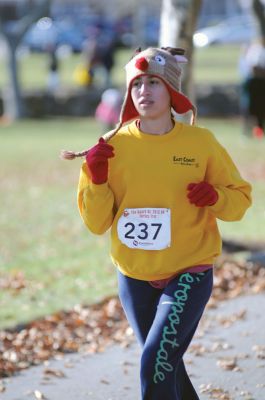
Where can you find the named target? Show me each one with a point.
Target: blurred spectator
(53, 73)
(99, 52)
(252, 70)
(108, 110)
(81, 74)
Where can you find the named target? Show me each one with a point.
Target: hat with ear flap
(164, 63)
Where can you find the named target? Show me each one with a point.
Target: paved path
(226, 361)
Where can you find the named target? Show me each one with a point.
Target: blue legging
(164, 322)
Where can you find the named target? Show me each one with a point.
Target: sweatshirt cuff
(100, 189)
(220, 204)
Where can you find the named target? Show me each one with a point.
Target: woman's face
(150, 96)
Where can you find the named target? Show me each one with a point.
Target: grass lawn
(41, 232)
(48, 259)
(211, 64)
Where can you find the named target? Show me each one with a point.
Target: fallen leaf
(215, 392)
(229, 364)
(228, 321)
(197, 349)
(2, 388)
(104, 381)
(220, 346)
(14, 281)
(39, 395)
(54, 372)
(260, 351)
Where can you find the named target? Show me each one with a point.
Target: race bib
(145, 228)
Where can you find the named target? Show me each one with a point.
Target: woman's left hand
(202, 194)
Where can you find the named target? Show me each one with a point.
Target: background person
(252, 99)
(108, 110)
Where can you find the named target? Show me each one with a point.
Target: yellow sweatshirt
(148, 179)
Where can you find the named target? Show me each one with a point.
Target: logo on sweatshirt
(186, 161)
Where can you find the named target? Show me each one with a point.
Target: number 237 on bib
(145, 228)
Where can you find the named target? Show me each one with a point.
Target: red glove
(97, 161)
(202, 194)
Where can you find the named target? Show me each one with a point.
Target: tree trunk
(178, 23)
(259, 11)
(13, 104)
(13, 31)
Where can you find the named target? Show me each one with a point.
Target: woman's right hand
(97, 161)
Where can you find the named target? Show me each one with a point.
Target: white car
(241, 29)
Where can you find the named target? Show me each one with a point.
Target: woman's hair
(71, 155)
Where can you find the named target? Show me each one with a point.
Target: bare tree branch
(15, 30)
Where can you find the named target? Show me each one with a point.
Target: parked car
(47, 33)
(241, 29)
(41, 35)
